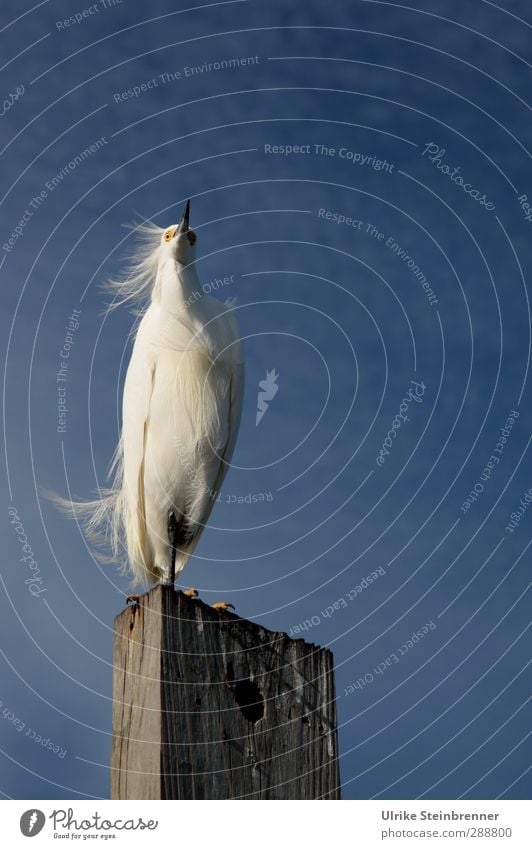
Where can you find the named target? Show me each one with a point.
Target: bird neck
(180, 286)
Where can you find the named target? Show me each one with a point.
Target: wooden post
(207, 705)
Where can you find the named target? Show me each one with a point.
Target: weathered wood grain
(207, 705)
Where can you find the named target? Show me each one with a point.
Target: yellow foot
(222, 605)
(191, 593)
(134, 598)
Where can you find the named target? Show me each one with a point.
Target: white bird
(180, 415)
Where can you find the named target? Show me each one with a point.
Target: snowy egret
(180, 415)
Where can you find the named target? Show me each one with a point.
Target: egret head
(179, 240)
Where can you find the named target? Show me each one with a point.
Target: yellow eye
(168, 236)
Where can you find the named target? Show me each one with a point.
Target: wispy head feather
(138, 284)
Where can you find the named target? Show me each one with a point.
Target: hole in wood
(250, 700)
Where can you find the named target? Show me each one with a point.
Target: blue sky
(127, 108)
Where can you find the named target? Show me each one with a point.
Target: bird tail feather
(107, 525)
(99, 518)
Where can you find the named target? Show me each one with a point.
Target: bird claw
(191, 593)
(222, 605)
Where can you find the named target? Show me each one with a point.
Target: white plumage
(181, 410)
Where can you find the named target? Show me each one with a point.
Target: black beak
(184, 223)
